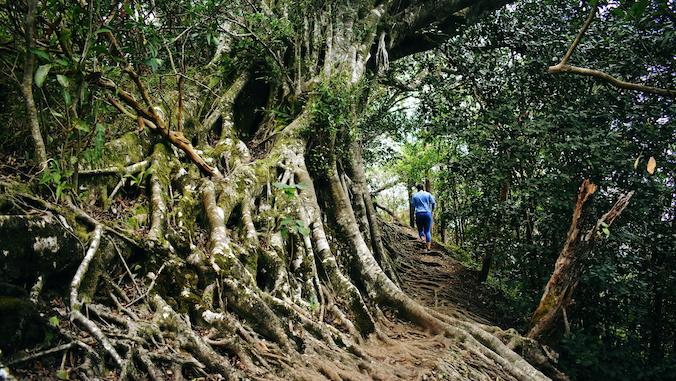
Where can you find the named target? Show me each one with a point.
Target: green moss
(548, 303)
(98, 265)
(125, 150)
(330, 133)
(20, 324)
(161, 165)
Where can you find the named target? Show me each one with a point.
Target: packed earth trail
(399, 350)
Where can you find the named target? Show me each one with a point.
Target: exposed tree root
(233, 281)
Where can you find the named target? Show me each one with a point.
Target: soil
(399, 350)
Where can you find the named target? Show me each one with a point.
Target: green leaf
(59, 191)
(41, 74)
(62, 374)
(62, 62)
(304, 230)
(67, 97)
(41, 54)
(83, 126)
(103, 30)
(54, 321)
(127, 9)
(63, 80)
(46, 178)
(638, 9)
(154, 63)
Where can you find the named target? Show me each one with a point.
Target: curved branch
(578, 38)
(563, 67)
(612, 80)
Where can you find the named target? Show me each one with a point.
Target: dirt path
(401, 350)
(436, 279)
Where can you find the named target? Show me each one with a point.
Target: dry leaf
(651, 165)
(636, 162)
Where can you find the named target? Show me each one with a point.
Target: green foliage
(41, 74)
(416, 160)
(294, 226)
(62, 374)
(332, 108)
(511, 144)
(94, 154)
(289, 190)
(54, 321)
(138, 179)
(56, 180)
(290, 225)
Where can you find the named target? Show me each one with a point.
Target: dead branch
(153, 119)
(612, 80)
(384, 209)
(610, 216)
(150, 287)
(46, 352)
(386, 187)
(563, 281)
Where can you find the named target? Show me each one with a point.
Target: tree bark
(559, 289)
(27, 86)
(411, 210)
(361, 191)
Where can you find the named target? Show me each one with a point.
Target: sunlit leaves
(63, 80)
(41, 74)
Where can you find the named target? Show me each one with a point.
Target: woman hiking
(424, 204)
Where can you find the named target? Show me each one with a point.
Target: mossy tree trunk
(253, 234)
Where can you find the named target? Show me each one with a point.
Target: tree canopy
(193, 189)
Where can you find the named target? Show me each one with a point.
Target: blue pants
(423, 221)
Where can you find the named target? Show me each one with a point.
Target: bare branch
(563, 67)
(612, 80)
(150, 118)
(581, 33)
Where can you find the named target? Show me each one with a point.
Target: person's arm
(433, 203)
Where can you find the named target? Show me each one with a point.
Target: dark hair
(420, 187)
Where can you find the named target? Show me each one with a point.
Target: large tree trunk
(569, 265)
(265, 264)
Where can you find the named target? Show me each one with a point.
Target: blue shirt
(423, 202)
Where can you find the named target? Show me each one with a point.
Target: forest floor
(402, 350)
